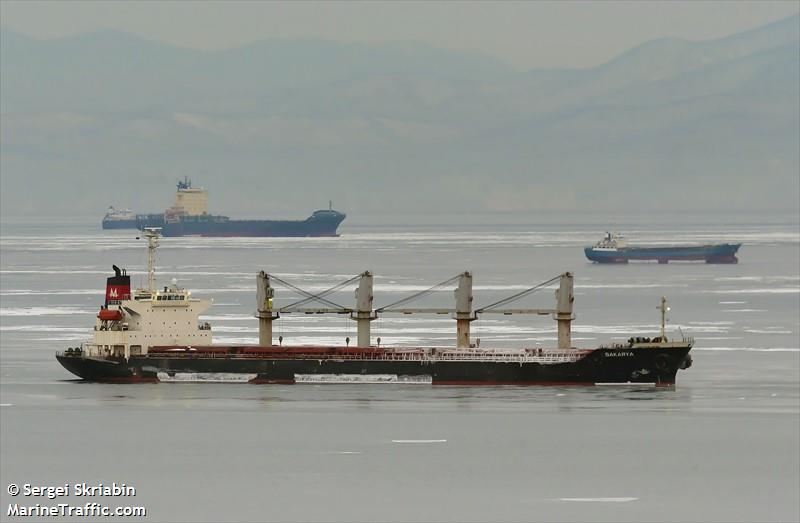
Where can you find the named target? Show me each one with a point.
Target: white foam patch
(361, 378)
(206, 377)
(771, 290)
(624, 384)
(228, 317)
(43, 328)
(419, 441)
(233, 329)
(600, 500)
(629, 285)
(757, 278)
(6, 404)
(65, 292)
(221, 290)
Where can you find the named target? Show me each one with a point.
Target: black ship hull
(613, 365)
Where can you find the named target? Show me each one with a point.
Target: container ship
(613, 248)
(155, 334)
(189, 216)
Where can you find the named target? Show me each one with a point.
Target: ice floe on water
(205, 377)
(228, 317)
(42, 328)
(64, 292)
(600, 500)
(44, 311)
(748, 349)
(764, 290)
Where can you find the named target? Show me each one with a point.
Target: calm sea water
(724, 445)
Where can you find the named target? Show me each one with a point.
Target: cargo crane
(363, 313)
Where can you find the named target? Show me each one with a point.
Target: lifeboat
(110, 314)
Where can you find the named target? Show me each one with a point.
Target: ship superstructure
(189, 201)
(152, 334)
(130, 322)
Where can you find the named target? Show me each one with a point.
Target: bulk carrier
(154, 334)
(189, 216)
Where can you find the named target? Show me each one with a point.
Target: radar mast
(664, 310)
(152, 234)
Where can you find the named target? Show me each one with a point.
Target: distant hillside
(280, 127)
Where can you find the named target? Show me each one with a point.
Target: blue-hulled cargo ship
(189, 216)
(613, 248)
(321, 223)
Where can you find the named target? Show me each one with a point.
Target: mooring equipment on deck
(363, 313)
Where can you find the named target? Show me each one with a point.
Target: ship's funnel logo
(118, 287)
(117, 292)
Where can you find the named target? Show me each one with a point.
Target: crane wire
(323, 293)
(306, 293)
(420, 294)
(518, 295)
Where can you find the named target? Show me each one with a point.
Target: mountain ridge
(409, 124)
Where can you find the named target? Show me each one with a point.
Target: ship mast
(664, 309)
(152, 234)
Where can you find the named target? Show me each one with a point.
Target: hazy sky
(523, 34)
